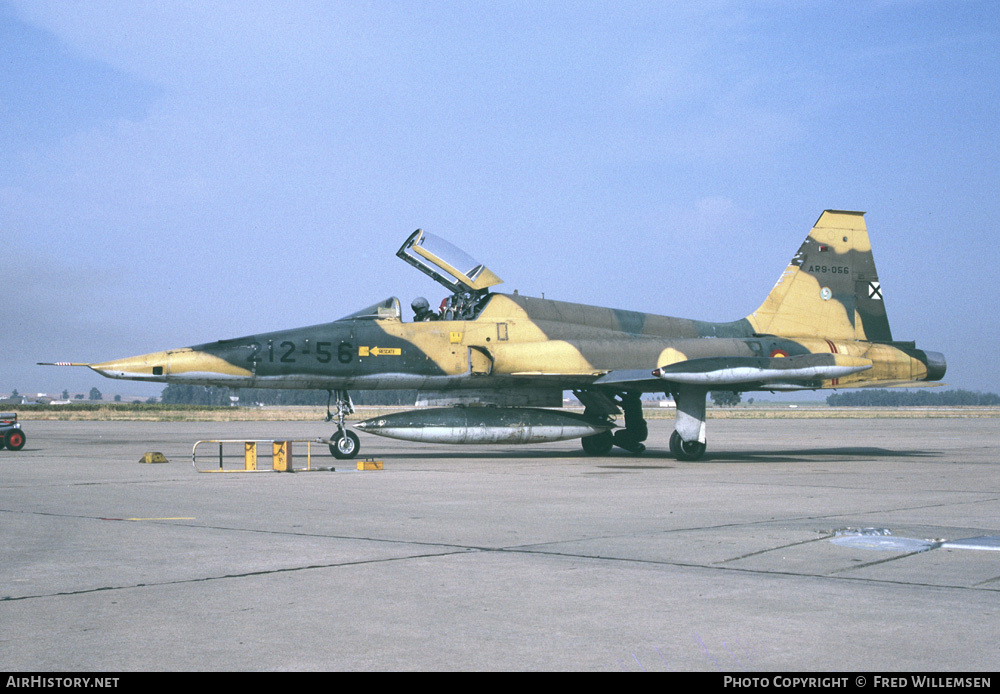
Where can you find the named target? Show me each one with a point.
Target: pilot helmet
(420, 305)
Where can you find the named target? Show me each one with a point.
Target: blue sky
(178, 172)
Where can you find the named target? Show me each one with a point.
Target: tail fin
(830, 289)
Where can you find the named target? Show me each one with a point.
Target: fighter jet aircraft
(496, 365)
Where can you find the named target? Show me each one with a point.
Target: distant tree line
(213, 395)
(907, 398)
(726, 398)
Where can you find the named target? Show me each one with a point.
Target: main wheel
(345, 445)
(15, 439)
(624, 438)
(598, 444)
(685, 450)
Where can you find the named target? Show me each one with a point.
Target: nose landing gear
(343, 443)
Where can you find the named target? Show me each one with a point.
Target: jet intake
(484, 425)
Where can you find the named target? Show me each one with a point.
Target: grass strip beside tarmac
(202, 413)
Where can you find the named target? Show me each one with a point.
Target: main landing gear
(598, 444)
(344, 442)
(630, 438)
(687, 442)
(686, 450)
(635, 432)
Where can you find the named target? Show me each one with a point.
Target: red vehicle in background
(11, 435)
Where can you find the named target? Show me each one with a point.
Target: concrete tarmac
(505, 558)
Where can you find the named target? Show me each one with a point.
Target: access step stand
(281, 455)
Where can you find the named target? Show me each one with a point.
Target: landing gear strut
(604, 405)
(688, 440)
(635, 432)
(343, 443)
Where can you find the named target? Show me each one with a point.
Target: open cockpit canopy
(448, 265)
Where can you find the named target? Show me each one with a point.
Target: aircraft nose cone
(936, 366)
(146, 366)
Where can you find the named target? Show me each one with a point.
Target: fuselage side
(513, 341)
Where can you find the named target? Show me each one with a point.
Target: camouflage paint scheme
(823, 325)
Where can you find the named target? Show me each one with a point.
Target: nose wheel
(344, 443)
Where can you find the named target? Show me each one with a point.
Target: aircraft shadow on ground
(807, 455)
(801, 455)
